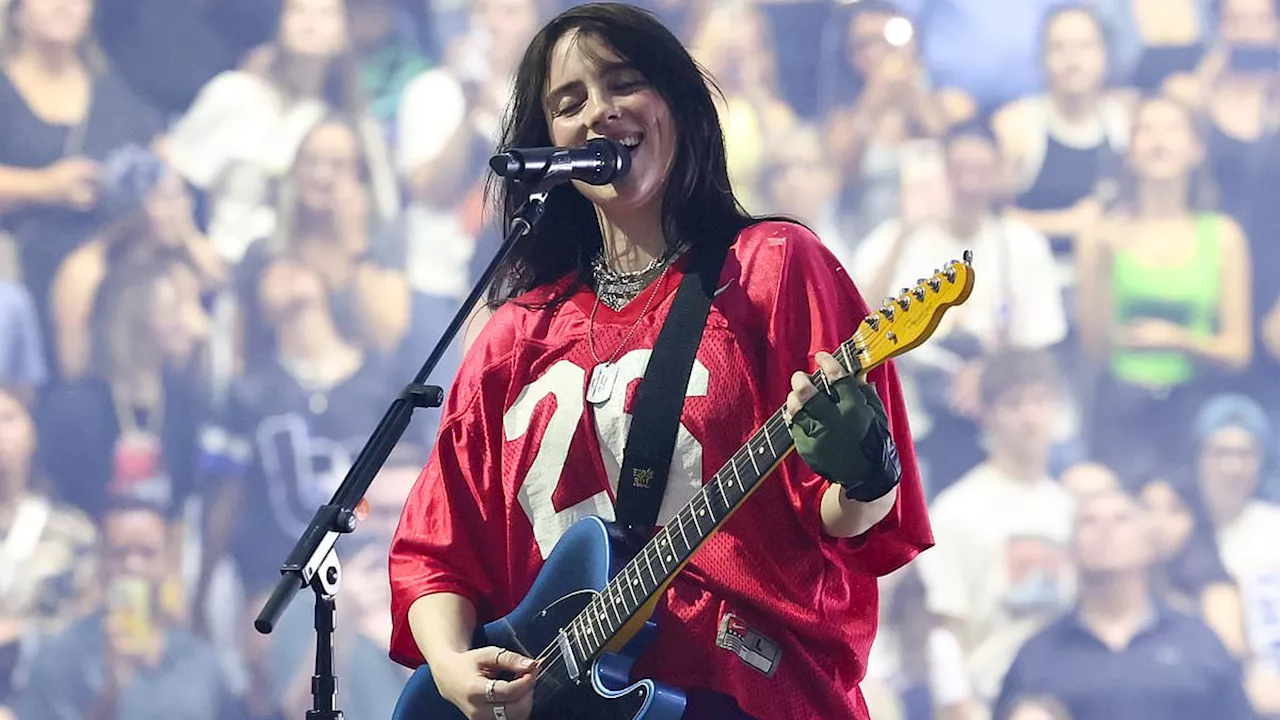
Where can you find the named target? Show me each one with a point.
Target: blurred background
(231, 230)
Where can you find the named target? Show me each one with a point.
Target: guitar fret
(696, 524)
(649, 563)
(720, 487)
(752, 457)
(680, 524)
(770, 443)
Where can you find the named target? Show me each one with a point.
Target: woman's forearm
(442, 624)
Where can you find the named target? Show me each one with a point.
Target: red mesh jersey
(521, 455)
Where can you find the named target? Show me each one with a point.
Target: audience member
(1232, 434)
(1164, 296)
(47, 560)
(1234, 86)
(1154, 39)
(245, 127)
(998, 572)
(895, 103)
(128, 659)
(1063, 146)
(1189, 573)
(799, 179)
(1015, 306)
(131, 425)
(736, 46)
(164, 223)
(294, 424)
(64, 118)
(1123, 652)
(448, 125)
(326, 222)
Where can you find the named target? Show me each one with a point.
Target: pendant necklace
(605, 373)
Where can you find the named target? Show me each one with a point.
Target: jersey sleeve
(812, 306)
(452, 532)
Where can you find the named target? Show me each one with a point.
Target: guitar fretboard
(665, 553)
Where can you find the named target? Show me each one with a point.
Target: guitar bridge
(570, 660)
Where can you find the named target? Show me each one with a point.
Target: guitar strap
(660, 397)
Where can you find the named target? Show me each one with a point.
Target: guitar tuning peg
(918, 293)
(951, 274)
(887, 310)
(904, 301)
(873, 321)
(968, 257)
(935, 284)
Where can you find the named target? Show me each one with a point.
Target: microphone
(601, 162)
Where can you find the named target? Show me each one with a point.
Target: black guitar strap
(660, 397)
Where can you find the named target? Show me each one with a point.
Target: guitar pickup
(570, 658)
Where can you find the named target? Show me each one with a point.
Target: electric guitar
(587, 616)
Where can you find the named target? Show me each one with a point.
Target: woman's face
(1230, 468)
(1171, 521)
(314, 28)
(17, 442)
(1164, 144)
(168, 209)
(180, 323)
(1249, 22)
(329, 158)
(1075, 55)
(58, 22)
(588, 99)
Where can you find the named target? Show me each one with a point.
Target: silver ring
(499, 712)
(488, 691)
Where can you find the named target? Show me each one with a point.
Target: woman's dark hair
(698, 204)
(1197, 564)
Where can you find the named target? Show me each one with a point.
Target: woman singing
(522, 454)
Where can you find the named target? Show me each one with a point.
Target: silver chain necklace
(616, 289)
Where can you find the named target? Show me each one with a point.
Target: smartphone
(1255, 58)
(131, 609)
(924, 191)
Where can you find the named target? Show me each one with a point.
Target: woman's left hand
(844, 439)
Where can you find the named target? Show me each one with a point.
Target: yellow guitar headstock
(907, 320)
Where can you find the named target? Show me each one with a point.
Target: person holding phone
(1236, 86)
(129, 659)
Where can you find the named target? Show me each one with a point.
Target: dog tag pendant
(601, 386)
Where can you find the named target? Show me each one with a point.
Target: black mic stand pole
(314, 561)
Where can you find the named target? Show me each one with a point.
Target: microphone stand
(313, 562)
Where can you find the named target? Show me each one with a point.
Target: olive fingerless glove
(846, 440)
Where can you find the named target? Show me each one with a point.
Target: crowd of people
(232, 230)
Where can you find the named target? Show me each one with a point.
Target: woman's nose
(601, 111)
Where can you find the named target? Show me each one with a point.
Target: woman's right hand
(74, 182)
(463, 679)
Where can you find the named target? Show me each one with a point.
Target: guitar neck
(671, 547)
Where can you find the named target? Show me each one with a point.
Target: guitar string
(552, 656)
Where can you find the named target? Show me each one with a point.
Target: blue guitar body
(583, 561)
